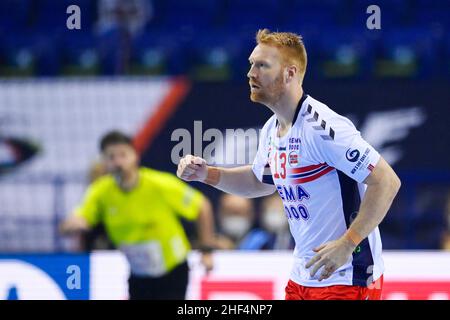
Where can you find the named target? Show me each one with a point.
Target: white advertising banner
(264, 275)
(236, 275)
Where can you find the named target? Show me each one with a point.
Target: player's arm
(348, 152)
(382, 187)
(240, 180)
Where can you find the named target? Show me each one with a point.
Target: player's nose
(251, 73)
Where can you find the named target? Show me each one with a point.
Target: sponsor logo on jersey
(294, 144)
(361, 161)
(293, 158)
(352, 155)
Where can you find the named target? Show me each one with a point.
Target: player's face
(120, 158)
(265, 74)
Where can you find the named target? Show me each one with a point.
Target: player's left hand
(331, 255)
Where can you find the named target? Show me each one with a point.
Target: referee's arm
(205, 229)
(86, 215)
(74, 224)
(205, 224)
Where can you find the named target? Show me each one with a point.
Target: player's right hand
(192, 168)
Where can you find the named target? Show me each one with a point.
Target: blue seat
(35, 52)
(80, 53)
(345, 53)
(214, 54)
(197, 14)
(248, 16)
(433, 17)
(166, 51)
(406, 53)
(14, 14)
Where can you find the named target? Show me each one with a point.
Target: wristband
(353, 236)
(213, 176)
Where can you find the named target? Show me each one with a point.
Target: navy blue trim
(299, 106)
(267, 178)
(362, 256)
(297, 111)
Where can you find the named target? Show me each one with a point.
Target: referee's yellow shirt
(149, 213)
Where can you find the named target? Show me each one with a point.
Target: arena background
(153, 67)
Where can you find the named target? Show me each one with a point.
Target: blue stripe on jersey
(301, 175)
(362, 257)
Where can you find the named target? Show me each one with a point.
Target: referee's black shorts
(171, 286)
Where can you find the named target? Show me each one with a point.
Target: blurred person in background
(141, 209)
(236, 217)
(274, 233)
(446, 236)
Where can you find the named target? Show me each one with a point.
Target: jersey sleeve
(336, 141)
(181, 197)
(260, 166)
(90, 208)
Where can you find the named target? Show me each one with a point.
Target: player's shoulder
(319, 110)
(320, 119)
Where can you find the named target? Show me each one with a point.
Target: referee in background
(141, 210)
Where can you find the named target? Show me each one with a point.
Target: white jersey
(318, 168)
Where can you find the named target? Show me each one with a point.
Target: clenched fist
(192, 168)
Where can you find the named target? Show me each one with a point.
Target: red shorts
(295, 291)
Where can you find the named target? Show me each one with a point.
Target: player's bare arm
(240, 180)
(382, 187)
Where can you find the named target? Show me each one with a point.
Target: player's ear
(290, 71)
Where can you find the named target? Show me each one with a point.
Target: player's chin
(255, 97)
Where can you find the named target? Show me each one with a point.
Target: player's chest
(283, 155)
(286, 157)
